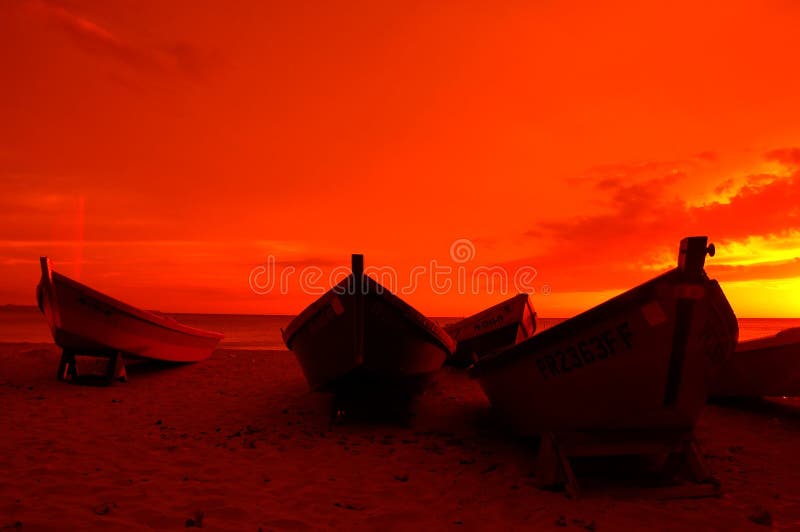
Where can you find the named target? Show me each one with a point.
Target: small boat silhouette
(762, 367)
(84, 321)
(492, 329)
(359, 333)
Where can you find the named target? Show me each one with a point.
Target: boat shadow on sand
(385, 401)
(785, 408)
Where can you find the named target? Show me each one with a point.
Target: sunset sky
(159, 151)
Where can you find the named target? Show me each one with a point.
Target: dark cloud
(646, 219)
(616, 175)
(765, 270)
(724, 187)
(765, 205)
(179, 57)
(708, 156)
(787, 156)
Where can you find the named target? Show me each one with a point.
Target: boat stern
(45, 294)
(493, 329)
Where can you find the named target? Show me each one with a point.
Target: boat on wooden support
(495, 328)
(359, 335)
(638, 361)
(86, 322)
(762, 367)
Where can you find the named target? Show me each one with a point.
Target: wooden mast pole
(359, 287)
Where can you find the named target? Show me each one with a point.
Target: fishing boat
(638, 361)
(86, 322)
(762, 367)
(492, 329)
(359, 334)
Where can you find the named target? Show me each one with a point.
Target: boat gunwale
(151, 318)
(454, 329)
(643, 292)
(299, 322)
(375, 288)
(775, 341)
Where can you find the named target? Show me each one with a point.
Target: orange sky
(160, 151)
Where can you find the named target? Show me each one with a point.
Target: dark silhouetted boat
(86, 322)
(762, 367)
(359, 335)
(497, 327)
(638, 361)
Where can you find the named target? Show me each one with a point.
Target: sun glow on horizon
(778, 298)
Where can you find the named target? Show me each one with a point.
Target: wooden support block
(548, 469)
(115, 368)
(571, 486)
(553, 465)
(66, 366)
(697, 465)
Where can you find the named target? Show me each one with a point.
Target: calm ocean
(25, 324)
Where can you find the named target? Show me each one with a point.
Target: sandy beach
(238, 443)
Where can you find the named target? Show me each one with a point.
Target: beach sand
(238, 443)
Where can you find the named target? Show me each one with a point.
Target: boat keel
(115, 368)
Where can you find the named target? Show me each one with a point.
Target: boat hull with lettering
(638, 361)
(360, 335)
(497, 327)
(87, 322)
(762, 367)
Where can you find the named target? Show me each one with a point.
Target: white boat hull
(88, 322)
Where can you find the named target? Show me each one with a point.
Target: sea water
(247, 331)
